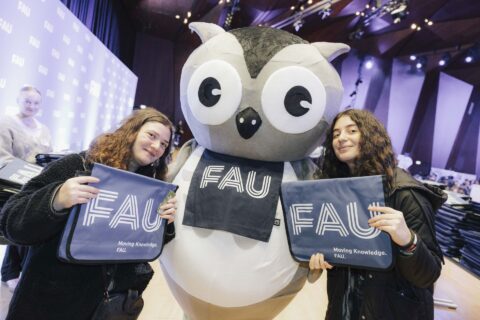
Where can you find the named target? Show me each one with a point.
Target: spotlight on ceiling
(369, 63)
(445, 59)
(473, 54)
(421, 63)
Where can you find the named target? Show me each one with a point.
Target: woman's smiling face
(346, 141)
(150, 144)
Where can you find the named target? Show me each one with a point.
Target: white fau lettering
(60, 13)
(43, 70)
(25, 173)
(329, 220)
(298, 222)
(48, 26)
(127, 213)
(61, 76)
(23, 8)
(55, 53)
(66, 39)
(34, 42)
(233, 179)
(6, 26)
(19, 61)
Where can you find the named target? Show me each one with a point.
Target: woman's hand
(317, 262)
(75, 191)
(169, 210)
(392, 222)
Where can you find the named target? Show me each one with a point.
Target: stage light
(189, 14)
(413, 57)
(177, 17)
(369, 64)
(445, 59)
(421, 63)
(468, 59)
(413, 26)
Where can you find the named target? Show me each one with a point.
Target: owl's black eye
(293, 101)
(209, 92)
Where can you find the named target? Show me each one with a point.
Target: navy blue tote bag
(121, 224)
(330, 216)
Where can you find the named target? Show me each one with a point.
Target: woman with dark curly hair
(50, 288)
(357, 144)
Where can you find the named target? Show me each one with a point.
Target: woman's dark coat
(406, 291)
(49, 288)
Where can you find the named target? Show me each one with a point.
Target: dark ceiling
(455, 28)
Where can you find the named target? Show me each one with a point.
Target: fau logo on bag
(19, 172)
(121, 224)
(128, 212)
(330, 216)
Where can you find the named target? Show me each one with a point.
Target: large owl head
(259, 93)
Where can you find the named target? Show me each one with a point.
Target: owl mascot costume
(258, 101)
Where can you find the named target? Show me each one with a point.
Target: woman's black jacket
(49, 288)
(405, 291)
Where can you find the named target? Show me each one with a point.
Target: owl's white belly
(222, 268)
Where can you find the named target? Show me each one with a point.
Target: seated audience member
(21, 136)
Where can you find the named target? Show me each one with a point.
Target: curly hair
(376, 152)
(115, 149)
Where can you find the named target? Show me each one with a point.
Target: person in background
(357, 144)
(52, 289)
(21, 136)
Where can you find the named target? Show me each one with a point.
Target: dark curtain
(153, 63)
(108, 20)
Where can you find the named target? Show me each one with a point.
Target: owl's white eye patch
(293, 99)
(214, 92)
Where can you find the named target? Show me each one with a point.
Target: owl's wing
(182, 156)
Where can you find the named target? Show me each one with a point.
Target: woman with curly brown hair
(357, 144)
(50, 288)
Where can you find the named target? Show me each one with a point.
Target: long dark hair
(115, 149)
(376, 152)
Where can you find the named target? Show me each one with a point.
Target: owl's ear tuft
(331, 50)
(205, 30)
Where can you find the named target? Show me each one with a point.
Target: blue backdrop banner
(330, 216)
(121, 224)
